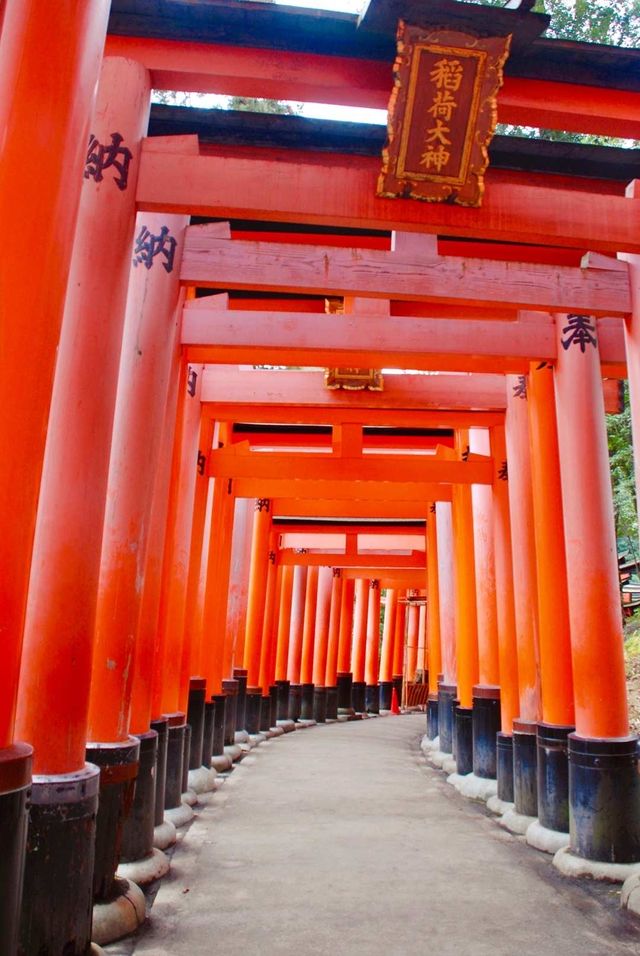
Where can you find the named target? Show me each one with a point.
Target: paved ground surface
(342, 841)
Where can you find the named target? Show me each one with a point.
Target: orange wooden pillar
(604, 785)
(294, 660)
(372, 652)
(150, 341)
(359, 644)
(215, 665)
(399, 644)
(256, 595)
(632, 336)
(553, 606)
(344, 676)
(433, 623)
(486, 693)
(308, 637)
(45, 127)
(525, 596)
(507, 642)
(321, 643)
(237, 603)
(283, 634)
(268, 647)
(447, 688)
(386, 654)
(331, 675)
(413, 621)
(421, 667)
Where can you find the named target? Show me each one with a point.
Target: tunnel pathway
(340, 841)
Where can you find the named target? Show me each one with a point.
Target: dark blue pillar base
(486, 724)
(295, 701)
(230, 690)
(161, 727)
(386, 690)
(175, 759)
(344, 683)
(282, 712)
(306, 709)
(332, 703)
(207, 736)
(273, 711)
(253, 710)
(397, 681)
(195, 719)
(525, 768)
(464, 740)
(604, 797)
(372, 699)
(219, 720)
(15, 785)
(320, 705)
(264, 714)
(240, 674)
(504, 766)
(358, 693)
(553, 776)
(185, 758)
(446, 697)
(432, 716)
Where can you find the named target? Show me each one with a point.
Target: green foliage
(622, 472)
(614, 22)
(254, 105)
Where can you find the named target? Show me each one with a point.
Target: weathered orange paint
(321, 636)
(505, 607)
(413, 620)
(485, 571)
(346, 625)
(216, 649)
(297, 624)
(257, 589)
(556, 676)
(331, 675)
(58, 634)
(359, 644)
(270, 619)
(149, 345)
(284, 623)
(238, 584)
(422, 638)
(372, 656)
(447, 592)
(523, 549)
(388, 634)
(308, 627)
(594, 597)
(433, 602)
(399, 635)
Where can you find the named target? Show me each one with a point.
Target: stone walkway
(341, 841)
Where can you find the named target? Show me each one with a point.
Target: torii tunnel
(205, 540)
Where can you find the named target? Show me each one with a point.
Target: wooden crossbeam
(341, 191)
(413, 270)
(288, 75)
(348, 508)
(377, 492)
(375, 341)
(289, 556)
(389, 578)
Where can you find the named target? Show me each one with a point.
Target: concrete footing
(542, 838)
(164, 835)
(569, 864)
(142, 872)
(630, 897)
(189, 797)
(427, 745)
(477, 788)
(305, 723)
(179, 816)
(234, 751)
(450, 765)
(119, 917)
(515, 822)
(202, 780)
(455, 779)
(96, 950)
(498, 806)
(221, 762)
(287, 725)
(438, 757)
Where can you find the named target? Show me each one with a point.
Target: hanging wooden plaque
(442, 115)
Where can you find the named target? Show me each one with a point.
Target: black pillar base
(185, 758)
(320, 705)
(306, 708)
(525, 768)
(219, 717)
(385, 692)
(118, 764)
(432, 716)
(195, 719)
(207, 737)
(253, 710)
(464, 740)
(265, 714)
(137, 835)
(161, 727)
(344, 683)
(504, 766)
(397, 683)
(372, 699)
(358, 696)
(446, 697)
(332, 703)
(58, 885)
(604, 796)
(175, 759)
(273, 697)
(553, 776)
(486, 724)
(230, 690)
(240, 674)
(295, 701)
(15, 782)
(282, 712)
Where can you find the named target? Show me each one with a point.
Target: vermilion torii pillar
(308, 636)
(331, 676)
(507, 642)
(372, 663)
(398, 644)
(413, 620)
(149, 345)
(294, 660)
(344, 675)
(58, 638)
(255, 610)
(433, 622)
(486, 693)
(321, 643)
(604, 786)
(34, 267)
(359, 644)
(422, 642)
(556, 677)
(447, 687)
(386, 656)
(526, 598)
(268, 645)
(283, 635)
